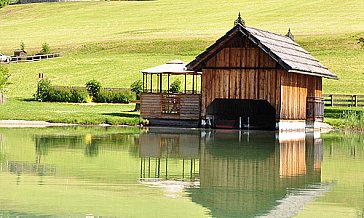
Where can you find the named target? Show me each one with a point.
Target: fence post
(332, 100)
(355, 100)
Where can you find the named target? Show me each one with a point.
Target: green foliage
(361, 42)
(175, 86)
(45, 92)
(45, 49)
(4, 77)
(22, 45)
(137, 87)
(353, 120)
(43, 88)
(93, 87)
(4, 3)
(107, 96)
(67, 95)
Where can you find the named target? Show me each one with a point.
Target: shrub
(137, 88)
(107, 96)
(175, 86)
(45, 92)
(4, 77)
(361, 42)
(4, 3)
(93, 87)
(353, 120)
(45, 49)
(67, 95)
(43, 87)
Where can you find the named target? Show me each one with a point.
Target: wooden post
(185, 83)
(160, 84)
(355, 100)
(146, 82)
(193, 83)
(151, 83)
(168, 84)
(143, 83)
(332, 100)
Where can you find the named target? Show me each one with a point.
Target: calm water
(128, 172)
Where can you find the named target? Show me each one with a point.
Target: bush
(67, 95)
(45, 92)
(45, 49)
(93, 87)
(175, 86)
(43, 87)
(4, 3)
(137, 87)
(107, 96)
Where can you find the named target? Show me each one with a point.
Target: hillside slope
(112, 41)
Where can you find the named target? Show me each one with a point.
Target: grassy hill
(112, 41)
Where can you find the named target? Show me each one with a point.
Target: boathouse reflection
(256, 168)
(169, 155)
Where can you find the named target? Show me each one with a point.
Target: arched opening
(241, 113)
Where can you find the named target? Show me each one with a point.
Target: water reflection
(169, 155)
(247, 174)
(241, 174)
(228, 173)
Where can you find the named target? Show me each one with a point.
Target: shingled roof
(282, 49)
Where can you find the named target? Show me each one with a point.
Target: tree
(22, 46)
(137, 87)
(4, 77)
(45, 49)
(93, 87)
(42, 93)
(175, 86)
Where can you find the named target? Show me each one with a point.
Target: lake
(170, 172)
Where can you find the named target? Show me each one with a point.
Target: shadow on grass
(121, 114)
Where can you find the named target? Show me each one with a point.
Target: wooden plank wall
(294, 92)
(150, 107)
(249, 73)
(241, 73)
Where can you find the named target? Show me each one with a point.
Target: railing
(171, 104)
(344, 100)
(166, 91)
(315, 109)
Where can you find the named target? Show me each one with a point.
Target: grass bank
(345, 118)
(88, 114)
(111, 41)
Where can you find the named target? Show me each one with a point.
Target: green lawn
(115, 114)
(112, 41)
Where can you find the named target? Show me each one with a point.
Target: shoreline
(325, 127)
(30, 124)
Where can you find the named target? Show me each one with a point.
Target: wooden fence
(16, 59)
(344, 100)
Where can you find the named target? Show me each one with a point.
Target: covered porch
(178, 105)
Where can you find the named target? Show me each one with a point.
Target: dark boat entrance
(241, 113)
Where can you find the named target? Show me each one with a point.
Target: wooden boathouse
(250, 78)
